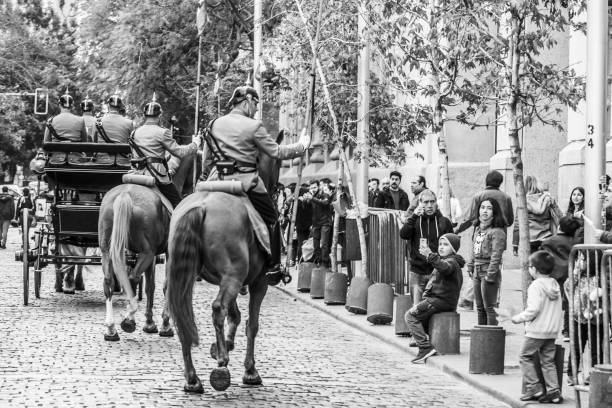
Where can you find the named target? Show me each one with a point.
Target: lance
(197, 109)
(308, 127)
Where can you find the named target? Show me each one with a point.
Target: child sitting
(544, 318)
(441, 292)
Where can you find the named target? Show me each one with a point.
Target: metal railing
(387, 253)
(588, 291)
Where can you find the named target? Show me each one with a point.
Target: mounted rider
(87, 107)
(235, 142)
(150, 142)
(65, 127)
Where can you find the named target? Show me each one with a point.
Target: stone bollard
(317, 282)
(600, 390)
(357, 297)
(304, 276)
(402, 304)
(335, 288)
(380, 303)
(444, 330)
(487, 347)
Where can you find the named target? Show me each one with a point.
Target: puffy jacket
(539, 213)
(446, 279)
(7, 207)
(431, 227)
(543, 314)
(488, 245)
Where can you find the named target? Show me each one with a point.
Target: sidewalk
(506, 387)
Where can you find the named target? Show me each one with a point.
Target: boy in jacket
(543, 316)
(423, 228)
(441, 293)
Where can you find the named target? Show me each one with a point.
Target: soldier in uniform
(65, 127)
(150, 144)
(113, 128)
(242, 139)
(87, 107)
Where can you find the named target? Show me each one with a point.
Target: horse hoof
(80, 287)
(251, 379)
(111, 337)
(194, 388)
(68, 291)
(213, 351)
(150, 328)
(220, 378)
(128, 326)
(166, 332)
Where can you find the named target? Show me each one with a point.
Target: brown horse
(211, 237)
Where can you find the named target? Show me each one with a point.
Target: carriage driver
(242, 139)
(65, 127)
(151, 142)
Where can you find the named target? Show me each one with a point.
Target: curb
(404, 347)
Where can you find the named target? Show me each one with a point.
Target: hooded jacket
(7, 207)
(543, 314)
(446, 279)
(540, 207)
(431, 227)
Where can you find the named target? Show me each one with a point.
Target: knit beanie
(454, 240)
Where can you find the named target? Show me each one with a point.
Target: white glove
(197, 139)
(305, 139)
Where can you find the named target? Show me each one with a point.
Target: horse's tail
(184, 262)
(120, 235)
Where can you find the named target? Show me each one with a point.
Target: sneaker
(424, 354)
(532, 396)
(552, 398)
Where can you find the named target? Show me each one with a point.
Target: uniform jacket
(155, 141)
(7, 207)
(488, 245)
(117, 128)
(243, 139)
(431, 227)
(70, 126)
(446, 279)
(503, 199)
(385, 200)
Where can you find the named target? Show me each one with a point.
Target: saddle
(236, 188)
(147, 181)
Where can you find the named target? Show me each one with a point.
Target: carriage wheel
(25, 228)
(37, 271)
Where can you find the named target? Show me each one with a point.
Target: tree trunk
(334, 246)
(515, 149)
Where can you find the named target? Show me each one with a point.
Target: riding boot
(276, 272)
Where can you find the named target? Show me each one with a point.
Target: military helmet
(115, 101)
(243, 93)
(87, 104)
(152, 108)
(66, 101)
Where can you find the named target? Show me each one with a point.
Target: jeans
(321, 240)
(418, 321)
(546, 349)
(485, 296)
(4, 227)
(417, 284)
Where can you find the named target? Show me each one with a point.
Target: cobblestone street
(53, 354)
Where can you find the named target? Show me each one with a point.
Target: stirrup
(278, 274)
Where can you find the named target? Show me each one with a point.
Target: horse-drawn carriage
(76, 188)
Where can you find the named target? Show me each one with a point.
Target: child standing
(544, 318)
(441, 292)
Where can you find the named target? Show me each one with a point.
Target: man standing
(7, 213)
(322, 221)
(491, 192)
(394, 197)
(150, 144)
(87, 107)
(417, 185)
(423, 229)
(241, 139)
(373, 191)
